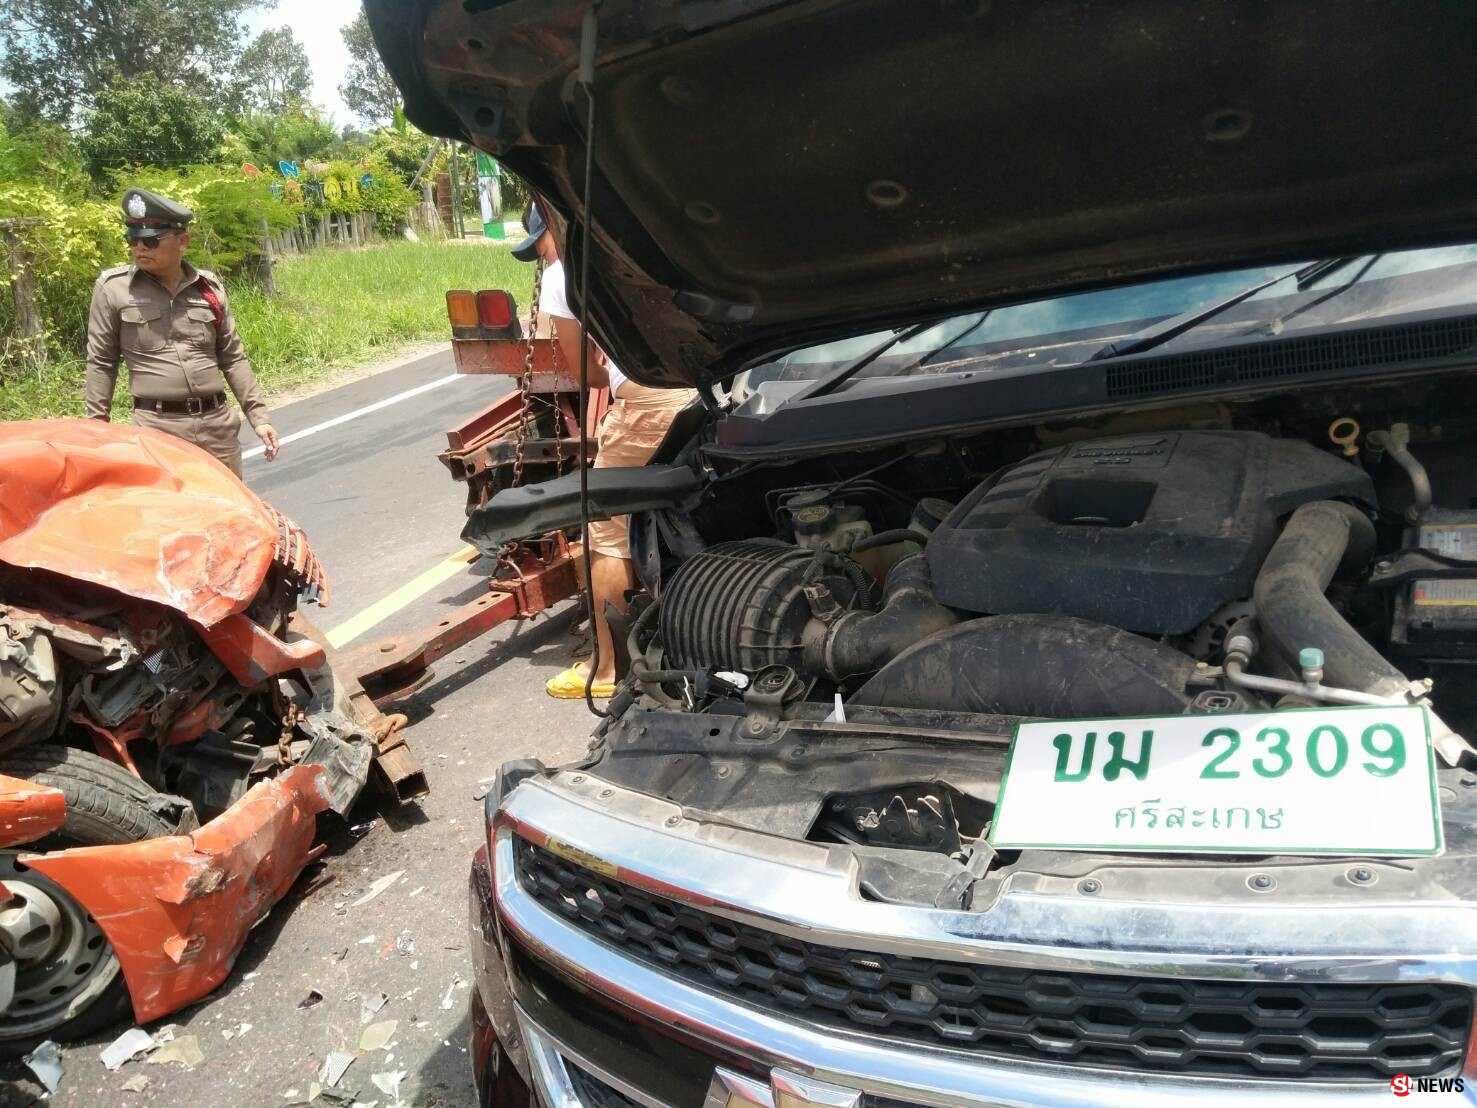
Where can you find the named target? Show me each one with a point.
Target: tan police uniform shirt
(170, 340)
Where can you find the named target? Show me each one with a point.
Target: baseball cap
(527, 250)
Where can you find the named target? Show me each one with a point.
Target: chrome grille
(1316, 1032)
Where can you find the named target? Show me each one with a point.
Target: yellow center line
(413, 589)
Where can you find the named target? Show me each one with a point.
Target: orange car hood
(137, 511)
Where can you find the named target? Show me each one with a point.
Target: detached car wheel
(59, 977)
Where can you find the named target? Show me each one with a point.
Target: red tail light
(495, 308)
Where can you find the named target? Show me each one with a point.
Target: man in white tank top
(632, 429)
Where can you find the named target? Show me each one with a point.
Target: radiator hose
(862, 642)
(1320, 540)
(1056, 667)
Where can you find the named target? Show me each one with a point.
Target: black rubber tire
(105, 805)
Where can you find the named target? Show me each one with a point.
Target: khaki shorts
(216, 432)
(632, 429)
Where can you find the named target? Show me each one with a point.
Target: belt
(193, 405)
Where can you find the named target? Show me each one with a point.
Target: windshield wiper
(1157, 334)
(840, 376)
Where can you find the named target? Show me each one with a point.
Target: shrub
(74, 241)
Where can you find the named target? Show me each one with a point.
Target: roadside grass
(334, 308)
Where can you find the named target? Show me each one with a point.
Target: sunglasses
(147, 243)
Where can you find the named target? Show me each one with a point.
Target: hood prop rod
(586, 78)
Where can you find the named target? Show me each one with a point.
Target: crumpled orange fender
(253, 654)
(177, 909)
(28, 810)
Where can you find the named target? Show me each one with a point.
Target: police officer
(173, 326)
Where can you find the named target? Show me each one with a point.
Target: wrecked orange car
(169, 728)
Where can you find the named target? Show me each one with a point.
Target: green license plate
(1298, 781)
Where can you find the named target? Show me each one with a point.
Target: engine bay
(838, 648)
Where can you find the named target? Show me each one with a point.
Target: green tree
(46, 155)
(293, 135)
(368, 89)
(273, 74)
(59, 55)
(144, 122)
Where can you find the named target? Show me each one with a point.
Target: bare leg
(611, 577)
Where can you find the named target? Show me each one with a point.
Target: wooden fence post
(23, 288)
(265, 274)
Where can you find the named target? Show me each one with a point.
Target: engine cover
(1148, 532)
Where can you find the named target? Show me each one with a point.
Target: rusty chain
(290, 719)
(525, 383)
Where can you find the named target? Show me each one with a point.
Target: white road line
(257, 451)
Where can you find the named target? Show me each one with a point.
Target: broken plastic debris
(446, 1000)
(166, 1033)
(378, 887)
(377, 1036)
(315, 1090)
(838, 713)
(334, 1066)
(243, 1029)
(369, 1005)
(126, 1047)
(405, 943)
(362, 828)
(313, 997)
(185, 1050)
(46, 1063)
(415, 892)
(366, 939)
(137, 1083)
(389, 1082)
(344, 1097)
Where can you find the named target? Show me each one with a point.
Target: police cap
(147, 215)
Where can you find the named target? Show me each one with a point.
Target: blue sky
(316, 23)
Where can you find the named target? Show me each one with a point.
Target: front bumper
(580, 1011)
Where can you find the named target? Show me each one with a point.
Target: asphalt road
(379, 510)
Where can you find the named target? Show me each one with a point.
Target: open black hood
(774, 172)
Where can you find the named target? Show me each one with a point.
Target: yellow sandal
(570, 685)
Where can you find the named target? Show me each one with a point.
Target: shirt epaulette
(210, 278)
(114, 271)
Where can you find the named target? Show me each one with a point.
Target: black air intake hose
(1054, 667)
(743, 606)
(863, 642)
(1320, 539)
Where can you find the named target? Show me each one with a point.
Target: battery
(1437, 617)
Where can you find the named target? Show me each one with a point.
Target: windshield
(1069, 329)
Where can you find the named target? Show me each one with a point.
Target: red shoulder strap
(213, 299)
